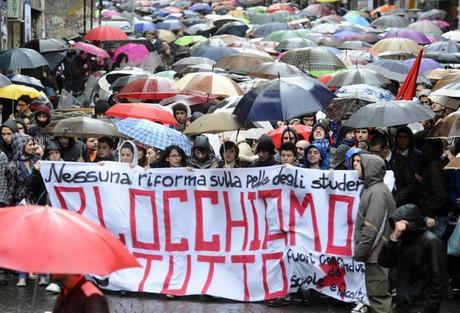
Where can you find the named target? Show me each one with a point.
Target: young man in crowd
(181, 113)
(91, 149)
(7, 130)
(105, 148)
(288, 154)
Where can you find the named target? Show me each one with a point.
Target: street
(14, 300)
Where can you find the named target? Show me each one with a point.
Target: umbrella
(214, 53)
(357, 20)
(188, 40)
(166, 35)
(272, 70)
(383, 9)
(313, 59)
(264, 18)
(396, 45)
(433, 14)
(109, 13)
(185, 62)
(209, 83)
(187, 99)
(82, 127)
(416, 36)
(453, 35)
(233, 28)
(213, 123)
(46, 45)
(170, 25)
(281, 7)
(387, 21)
(105, 33)
(426, 27)
(198, 28)
(267, 29)
(391, 69)
(443, 46)
(448, 126)
(347, 35)
(449, 90)
(316, 9)
(441, 24)
(295, 43)
(426, 65)
(149, 111)
(144, 26)
(136, 53)
(354, 45)
(441, 73)
(19, 58)
(389, 113)
(379, 94)
(281, 35)
(91, 49)
(54, 58)
(201, 7)
(283, 99)
(241, 62)
(153, 134)
(358, 76)
(27, 81)
(77, 246)
(148, 84)
(4, 81)
(276, 134)
(15, 91)
(341, 108)
(326, 28)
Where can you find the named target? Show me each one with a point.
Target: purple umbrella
(203, 7)
(425, 66)
(349, 35)
(136, 52)
(408, 33)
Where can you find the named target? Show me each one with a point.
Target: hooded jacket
(202, 142)
(376, 205)
(133, 145)
(421, 263)
(74, 152)
(265, 143)
(36, 131)
(7, 148)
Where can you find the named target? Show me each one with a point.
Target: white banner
(243, 234)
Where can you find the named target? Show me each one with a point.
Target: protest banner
(243, 234)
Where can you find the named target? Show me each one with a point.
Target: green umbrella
(256, 9)
(188, 40)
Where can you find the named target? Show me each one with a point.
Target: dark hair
(120, 58)
(27, 99)
(380, 141)
(179, 107)
(229, 145)
(291, 130)
(107, 140)
(178, 75)
(289, 146)
(164, 163)
(127, 145)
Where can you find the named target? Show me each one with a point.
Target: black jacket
(405, 184)
(74, 152)
(421, 263)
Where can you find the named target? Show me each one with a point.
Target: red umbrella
(105, 33)
(407, 90)
(91, 49)
(41, 239)
(302, 130)
(280, 7)
(149, 111)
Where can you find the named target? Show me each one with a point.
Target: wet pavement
(14, 300)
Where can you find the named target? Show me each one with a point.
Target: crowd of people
(401, 234)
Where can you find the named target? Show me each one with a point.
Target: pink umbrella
(110, 13)
(136, 52)
(441, 24)
(91, 49)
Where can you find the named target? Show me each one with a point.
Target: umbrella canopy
(78, 246)
(213, 123)
(391, 69)
(172, 24)
(105, 33)
(209, 83)
(281, 7)
(453, 35)
(396, 45)
(201, 7)
(295, 43)
(276, 134)
(267, 29)
(233, 28)
(185, 62)
(387, 21)
(198, 28)
(54, 58)
(136, 53)
(389, 113)
(357, 20)
(189, 40)
(149, 111)
(443, 46)
(416, 36)
(148, 84)
(272, 70)
(449, 90)
(283, 99)
(446, 127)
(281, 35)
(4, 81)
(348, 35)
(313, 59)
(425, 66)
(27, 81)
(316, 9)
(166, 35)
(46, 45)
(214, 53)
(358, 76)
(19, 58)
(14, 91)
(82, 127)
(341, 108)
(91, 49)
(153, 134)
(433, 14)
(426, 27)
(379, 94)
(386, 8)
(144, 26)
(241, 62)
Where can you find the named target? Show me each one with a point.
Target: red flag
(407, 90)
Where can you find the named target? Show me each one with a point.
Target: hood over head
(412, 215)
(51, 145)
(326, 128)
(134, 149)
(202, 142)
(43, 109)
(373, 169)
(18, 143)
(349, 157)
(11, 124)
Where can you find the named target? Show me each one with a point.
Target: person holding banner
(173, 156)
(373, 228)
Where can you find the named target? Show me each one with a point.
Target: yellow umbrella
(166, 35)
(404, 45)
(15, 91)
(208, 82)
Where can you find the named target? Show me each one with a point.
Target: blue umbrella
(192, 30)
(283, 99)
(170, 25)
(233, 28)
(201, 7)
(391, 69)
(27, 81)
(267, 29)
(357, 20)
(214, 53)
(379, 94)
(153, 134)
(144, 26)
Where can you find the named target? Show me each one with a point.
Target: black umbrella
(341, 108)
(234, 28)
(389, 113)
(18, 58)
(54, 58)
